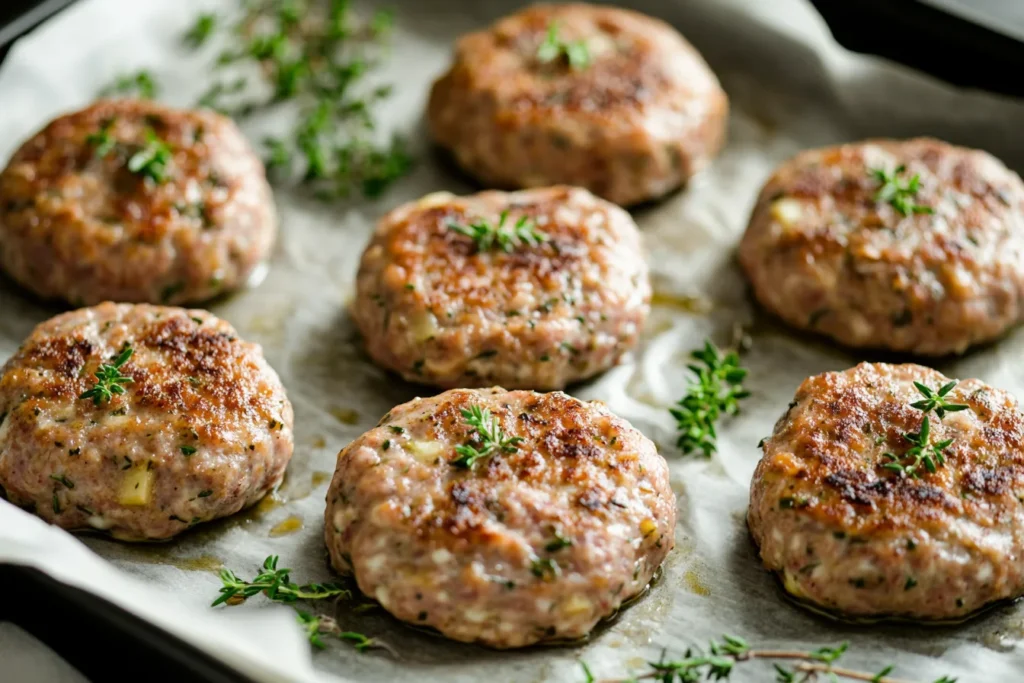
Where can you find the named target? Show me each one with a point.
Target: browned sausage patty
(824, 254)
(202, 430)
(631, 117)
(439, 308)
(134, 201)
(848, 534)
(536, 541)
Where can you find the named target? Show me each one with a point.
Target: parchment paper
(790, 88)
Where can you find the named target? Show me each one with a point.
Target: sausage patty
(603, 98)
(537, 540)
(134, 201)
(847, 533)
(441, 308)
(830, 249)
(202, 429)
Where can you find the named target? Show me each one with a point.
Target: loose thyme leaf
(102, 140)
(576, 52)
(487, 235)
(492, 438)
(109, 379)
(899, 194)
(201, 30)
(716, 389)
(936, 400)
(140, 84)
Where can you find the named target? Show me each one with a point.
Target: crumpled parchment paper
(791, 87)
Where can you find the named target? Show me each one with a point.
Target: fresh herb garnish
(140, 84)
(487, 235)
(491, 436)
(720, 659)
(557, 543)
(936, 400)
(576, 52)
(276, 584)
(716, 389)
(316, 625)
(109, 379)
(923, 452)
(153, 159)
(317, 55)
(900, 194)
(102, 140)
(201, 30)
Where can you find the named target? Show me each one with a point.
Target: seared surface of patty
(825, 255)
(438, 309)
(202, 430)
(850, 535)
(78, 223)
(635, 120)
(535, 542)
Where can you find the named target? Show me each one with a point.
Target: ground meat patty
(202, 430)
(824, 254)
(849, 535)
(134, 201)
(632, 117)
(534, 542)
(440, 309)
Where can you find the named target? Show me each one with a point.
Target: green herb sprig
(316, 625)
(488, 235)
(492, 438)
(923, 453)
(109, 379)
(102, 141)
(153, 160)
(720, 659)
(553, 48)
(201, 30)
(716, 389)
(318, 56)
(899, 194)
(141, 84)
(276, 584)
(936, 399)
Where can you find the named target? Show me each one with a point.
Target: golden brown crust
(824, 255)
(645, 114)
(85, 229)
(463, 550)
(204, 414)
(827, 513)
(436, 309)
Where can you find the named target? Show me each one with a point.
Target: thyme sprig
(316, 55)
(492, 438)
(553, 47)
(715, 389)
(923, 452)
(201, 30)
(153, 159)
(721, 658)
(276, 584)
(141, 84)
(936, 399)
(109, 379)
(899, 193)
(316, 625)
(488, 235)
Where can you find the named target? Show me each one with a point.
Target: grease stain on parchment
(287, 526)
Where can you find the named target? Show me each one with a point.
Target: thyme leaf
(899, 194)
(553, 48)
(936, 399)
(488, 235)
(276, 584)
(109, 379)
(492, 438)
